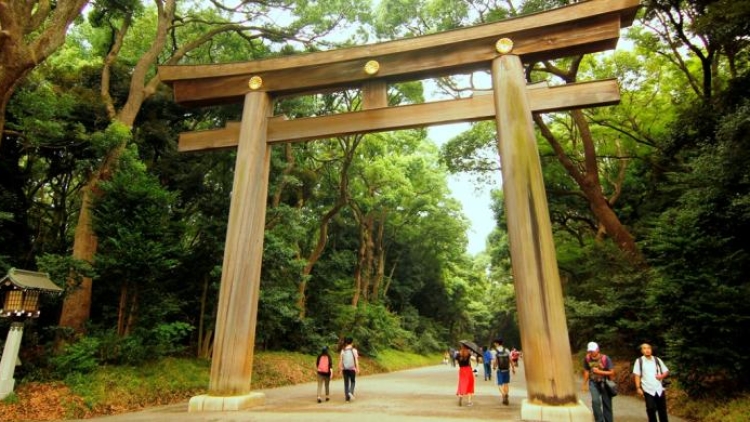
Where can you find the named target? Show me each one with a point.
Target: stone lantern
(19, 300)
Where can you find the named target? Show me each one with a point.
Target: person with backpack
(649, 372)
(349, 367)
(502, 363)
(324, 367)
(596, 368)
(487, 362)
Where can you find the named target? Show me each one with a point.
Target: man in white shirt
(649, 371)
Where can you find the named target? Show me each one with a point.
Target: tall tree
(583, 165)
(143, 84)
(713, 32)
(30, 31)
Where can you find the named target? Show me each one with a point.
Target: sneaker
(505, 400)
(352, 396)
(327, 399)
(469, 404)
(460, 399)
(319, 400)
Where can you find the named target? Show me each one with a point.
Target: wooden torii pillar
(501, 48)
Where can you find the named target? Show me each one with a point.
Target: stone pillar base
(538, 412)
(6, 387)
(206, 403)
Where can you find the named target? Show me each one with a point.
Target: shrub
(79, 357)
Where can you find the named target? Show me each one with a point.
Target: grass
(393, 360)
(712, 410)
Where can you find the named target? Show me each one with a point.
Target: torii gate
(501, 48)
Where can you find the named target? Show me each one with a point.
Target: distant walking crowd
(496, 358)
(649, 374)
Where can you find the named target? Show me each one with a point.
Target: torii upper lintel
(580, 28)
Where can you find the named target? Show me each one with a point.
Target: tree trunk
(341, 201)
(316, 254)
(359, 269)
(30, 31)
(379, 246)
(588, 181)
(122, 310)
(206, 345)
(132, 312)
(202, 314)
(77, 305)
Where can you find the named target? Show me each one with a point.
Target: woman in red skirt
(465, 377)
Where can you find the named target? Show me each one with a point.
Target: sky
(474, 198)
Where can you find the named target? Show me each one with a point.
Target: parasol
(472, 346)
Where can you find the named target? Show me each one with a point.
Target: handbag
(611, 387)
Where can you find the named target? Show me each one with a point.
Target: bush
(78, 357)
(168, 337)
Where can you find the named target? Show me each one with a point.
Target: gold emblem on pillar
(255, 83)
(372, 67)
(504, 45)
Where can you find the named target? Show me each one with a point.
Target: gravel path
(425, 394)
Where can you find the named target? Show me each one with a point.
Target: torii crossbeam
(500, 48)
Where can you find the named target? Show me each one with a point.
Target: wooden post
(232, 363)
(374, 95)
(541, 313)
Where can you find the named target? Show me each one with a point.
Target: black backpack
(665, 382)
(502, 357)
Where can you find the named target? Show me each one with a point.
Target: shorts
(503, 377)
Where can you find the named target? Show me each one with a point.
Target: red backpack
(323, 366)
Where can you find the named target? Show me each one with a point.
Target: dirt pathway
(425, 394)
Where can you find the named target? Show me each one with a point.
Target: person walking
(465, 377)
(596, 368)
(649, 372)
(487, 362)
(324, 368)
(502, 363)
(515, 355)
(349, 367)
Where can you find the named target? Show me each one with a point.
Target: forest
(649, 199)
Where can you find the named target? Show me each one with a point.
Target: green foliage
(11, 398)
(79, 357)
(106, 347)
(395, 360)
(138, 244)
(606, 299)
(131, 387)
(161, 218)
(735, 410)
(168, 338)
(701, 261)
(374, 328)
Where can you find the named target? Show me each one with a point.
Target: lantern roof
(31, 280)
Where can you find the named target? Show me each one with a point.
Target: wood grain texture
(576, 29)
(232, 363)
(539, 298)
(479, 107)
